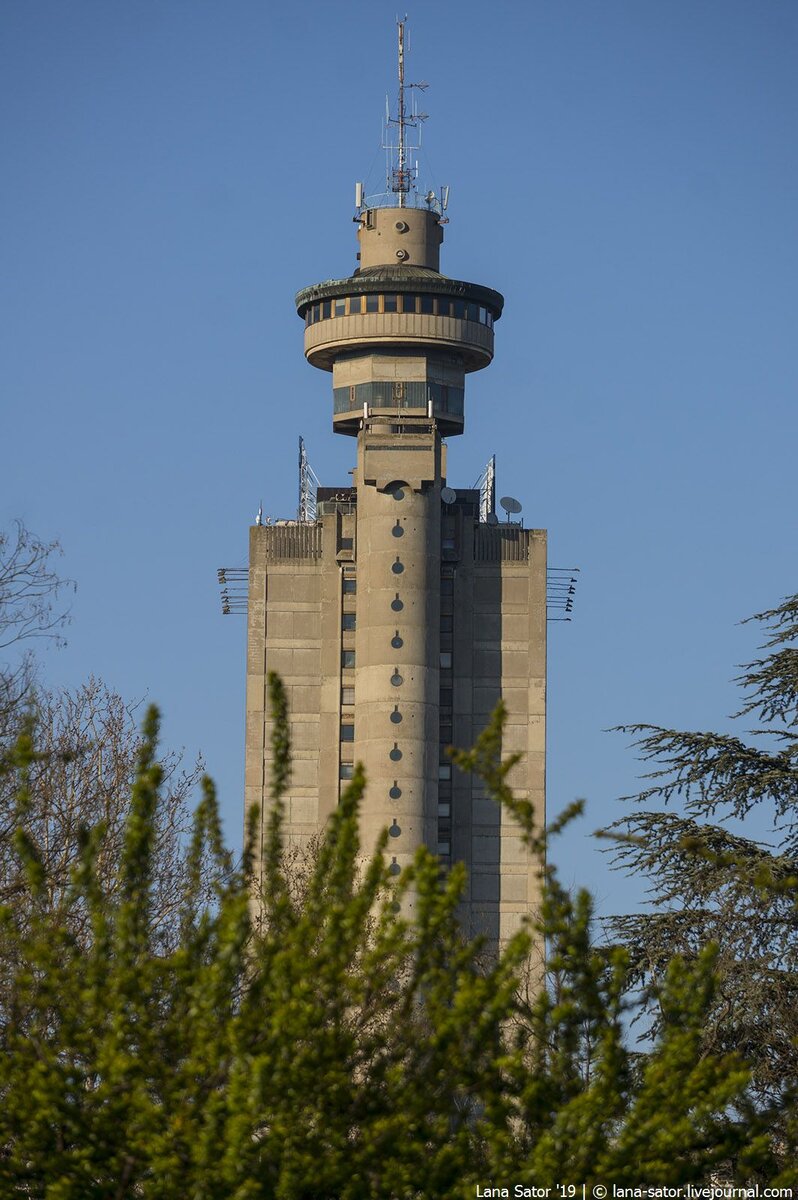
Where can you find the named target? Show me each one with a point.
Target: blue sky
(623, 172)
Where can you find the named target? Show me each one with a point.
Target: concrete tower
(404, 610)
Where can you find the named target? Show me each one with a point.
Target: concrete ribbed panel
(325, 340)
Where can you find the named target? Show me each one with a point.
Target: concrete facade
(398, 619)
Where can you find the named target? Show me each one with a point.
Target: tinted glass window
(341, 399)
(325, 310)
(454, 401)
(389, 304)
(428, 305)
(372, 303)
(408, 304)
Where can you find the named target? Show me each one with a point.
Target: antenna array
(401, 177)
(560, 591)
(234, 582)
(308, 487)
(487, 491)
(401, 165)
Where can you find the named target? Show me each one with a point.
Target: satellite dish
(510, 505)
(448, 495)
(492, 519)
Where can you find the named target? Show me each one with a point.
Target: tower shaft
(397, 675)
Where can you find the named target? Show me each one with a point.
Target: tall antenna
(402, 177)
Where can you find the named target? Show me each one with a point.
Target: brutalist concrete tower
(399, 609)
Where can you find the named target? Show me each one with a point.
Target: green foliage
(711, 885)
(325, 1045)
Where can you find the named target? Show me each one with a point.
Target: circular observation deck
(413, 308)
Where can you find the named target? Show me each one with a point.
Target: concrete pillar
(397, 673)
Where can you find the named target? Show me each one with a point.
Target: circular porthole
(395, 754)
(402, 255)
(396, 717)
(402, 226)
(397, 604)
(394, 830)
(397, 567)
(398, 493)
(396, 679)
(398, 530)
(395, 792)
(394, 868)
(397, 642)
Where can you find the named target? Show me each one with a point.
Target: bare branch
(30, 587)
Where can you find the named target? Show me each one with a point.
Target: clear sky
(624, 172)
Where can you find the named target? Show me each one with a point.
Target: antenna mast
(308, 486)
(401, 177)
(487, 491)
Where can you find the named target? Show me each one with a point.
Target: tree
(88, 746)
(30, 595)
(335, 1048)
(709, 884)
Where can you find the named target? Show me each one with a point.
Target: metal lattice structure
(308, 487)
(487, 490)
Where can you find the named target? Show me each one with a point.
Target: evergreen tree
(710, 885)
(333, 1047)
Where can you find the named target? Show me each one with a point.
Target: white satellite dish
(510, 505)
(448, 495)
